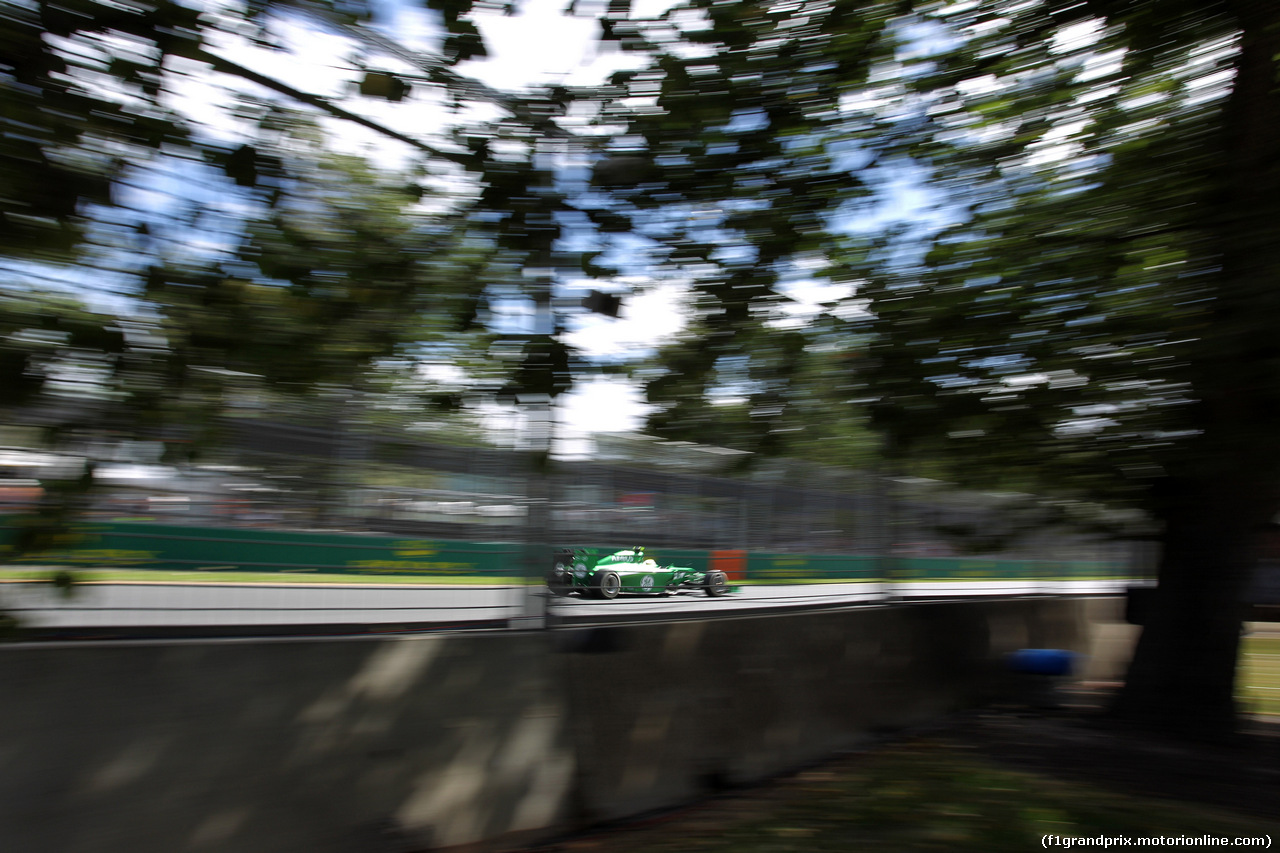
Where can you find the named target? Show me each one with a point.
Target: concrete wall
(279, 746)
(410, 743)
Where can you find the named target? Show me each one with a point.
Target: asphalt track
(124, 610)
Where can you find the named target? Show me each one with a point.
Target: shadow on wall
(414, 743)
(665, 713)
(346, 745)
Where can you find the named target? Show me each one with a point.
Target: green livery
(593, 575)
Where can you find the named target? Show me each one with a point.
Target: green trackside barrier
(1083, 570)
(951, 568)
(960, 569)
(143, 545)
(151, 545)
(767, 567)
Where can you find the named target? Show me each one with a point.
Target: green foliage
(346, 274)
(766, 390)
(739, 176)
(1101, 280)
(47, 341)
(65, 139)
(1088, 310)
(340, 263)
(1070, 322)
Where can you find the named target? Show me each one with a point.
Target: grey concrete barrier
(426, 742)
(354, 745)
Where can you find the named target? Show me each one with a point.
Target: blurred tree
(737, 170)
(60, 366)
(1085, 304)
(69, 117)
(339, 272)
(326, 265)
(1120, 167)
(772, 392)
(225, 251)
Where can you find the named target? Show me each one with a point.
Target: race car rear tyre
(716, 584)
(607, 585)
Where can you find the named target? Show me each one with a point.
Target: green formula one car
(591, 574)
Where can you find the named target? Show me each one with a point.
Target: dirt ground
(1075, 742)
(1071, 742)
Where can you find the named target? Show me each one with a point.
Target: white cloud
(541, 46)
(647, 320)
(613, 404)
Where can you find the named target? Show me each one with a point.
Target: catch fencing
(287, 476)
(287, 503)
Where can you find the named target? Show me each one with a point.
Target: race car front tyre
(607, 585)
(716, 584)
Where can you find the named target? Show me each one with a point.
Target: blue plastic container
(1043, 661)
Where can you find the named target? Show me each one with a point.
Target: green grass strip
(1258, 676)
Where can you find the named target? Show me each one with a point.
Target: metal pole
(538, 439)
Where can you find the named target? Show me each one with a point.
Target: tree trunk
(1213, 509)
(1182, 677)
